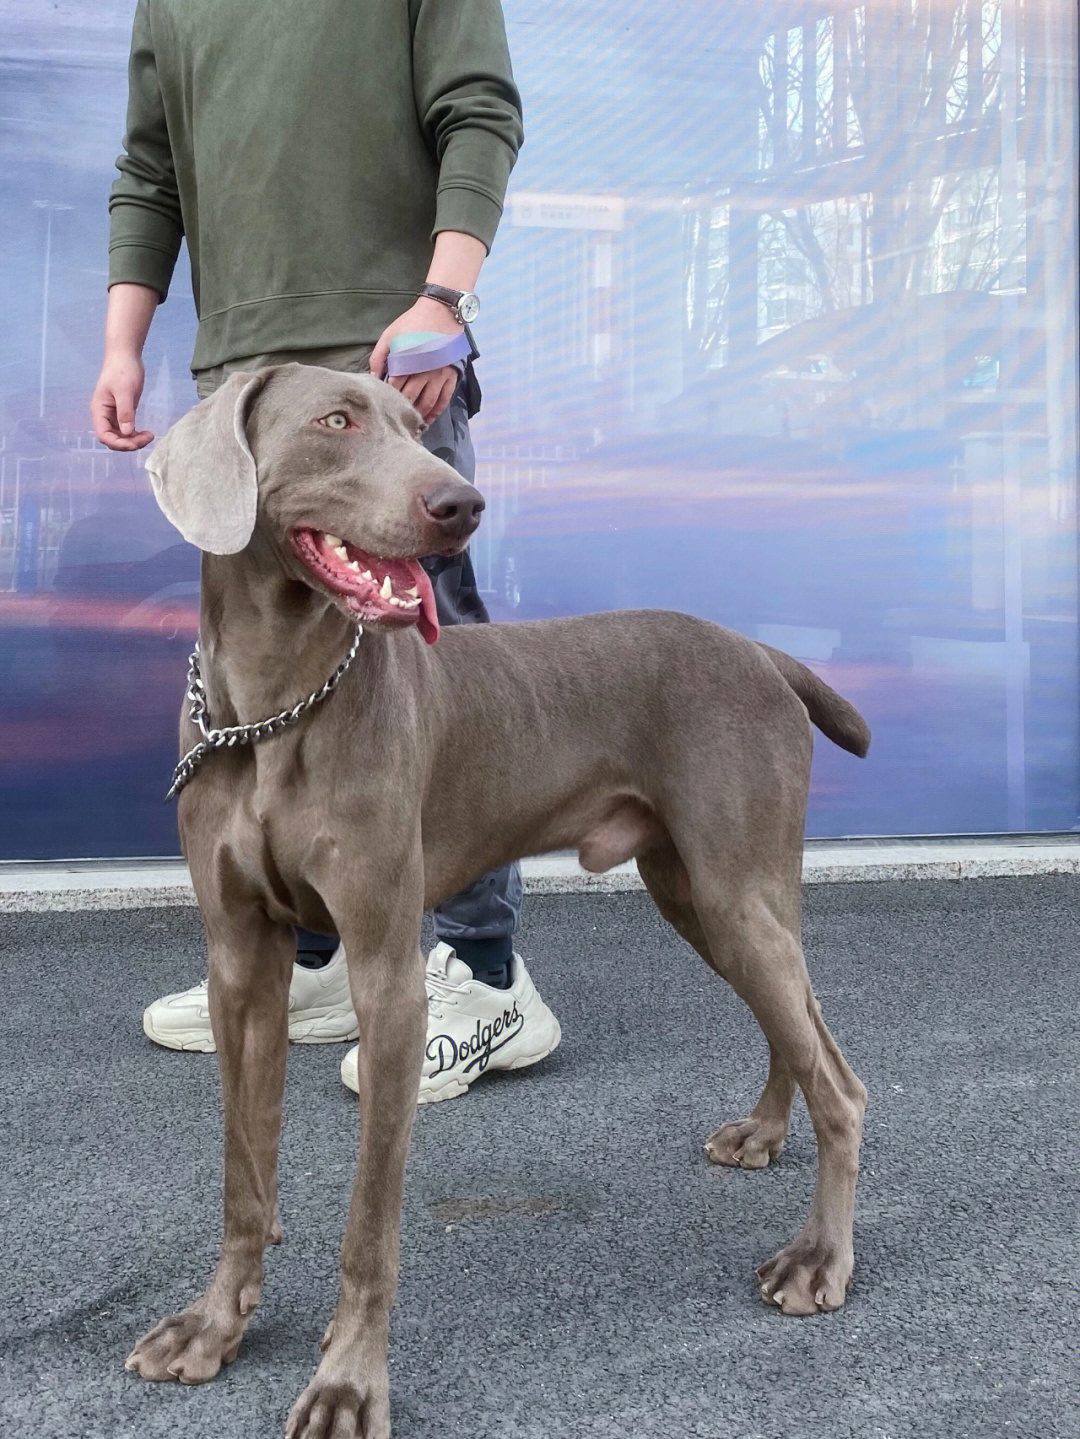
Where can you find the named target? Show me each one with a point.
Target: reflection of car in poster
(93, 675)
(743, 530)
(808, 392)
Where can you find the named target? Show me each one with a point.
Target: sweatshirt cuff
(468, 211)
(131, 264)
(143, 247)
(473, 176)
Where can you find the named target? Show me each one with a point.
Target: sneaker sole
(321, 1030)
(190, 1040)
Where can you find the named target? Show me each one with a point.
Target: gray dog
(643, 734)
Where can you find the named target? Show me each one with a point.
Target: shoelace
(441, 995)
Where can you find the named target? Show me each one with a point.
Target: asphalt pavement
(572, 1265)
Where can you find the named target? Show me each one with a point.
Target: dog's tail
(832, 714)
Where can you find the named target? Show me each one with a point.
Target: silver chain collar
(243, 733)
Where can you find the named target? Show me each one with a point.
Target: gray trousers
(490, 908)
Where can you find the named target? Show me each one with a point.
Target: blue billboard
(779, 328)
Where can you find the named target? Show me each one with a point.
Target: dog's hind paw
(747, 1143)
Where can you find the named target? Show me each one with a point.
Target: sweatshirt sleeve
(145, 224)
(469, 108)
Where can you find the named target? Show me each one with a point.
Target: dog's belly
(605, 828)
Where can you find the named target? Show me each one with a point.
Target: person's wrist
(434, 310)
(122, 352)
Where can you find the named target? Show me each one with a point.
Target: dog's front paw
(190, 1347)
(343, 1402)
(808, 1276)
(747, 1143)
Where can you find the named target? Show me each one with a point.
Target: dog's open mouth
(389, 592)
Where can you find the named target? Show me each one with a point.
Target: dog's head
(328, 471)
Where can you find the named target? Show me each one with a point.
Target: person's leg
(476, 983)
(478, 923)
(313, 950)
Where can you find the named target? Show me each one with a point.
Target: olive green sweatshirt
(309, 151)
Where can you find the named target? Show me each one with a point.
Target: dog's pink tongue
(428, 623)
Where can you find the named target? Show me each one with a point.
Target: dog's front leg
(250, 968)
(349, 1394)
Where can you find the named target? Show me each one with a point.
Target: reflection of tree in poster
(880, 130)
(706, 288)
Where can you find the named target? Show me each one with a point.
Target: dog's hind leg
(762, 959)
(752, 1142)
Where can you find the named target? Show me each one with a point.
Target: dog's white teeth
(367, 574)
(412, 590)
(333, 541)
(386, 589)
(355, 565)
(340, 551)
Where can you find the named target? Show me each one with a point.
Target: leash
(243, 733)
(428, 350)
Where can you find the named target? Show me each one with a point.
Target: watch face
(468, 307)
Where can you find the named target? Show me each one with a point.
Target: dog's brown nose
(454, 508)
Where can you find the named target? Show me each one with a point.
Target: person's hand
(429, 390)
(114, 402)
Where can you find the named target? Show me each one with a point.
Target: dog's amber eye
(337, 420)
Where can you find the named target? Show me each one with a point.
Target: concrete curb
(27, 888)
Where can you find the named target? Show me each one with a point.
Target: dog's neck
(266, 639)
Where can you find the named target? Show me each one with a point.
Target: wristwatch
(463, 304)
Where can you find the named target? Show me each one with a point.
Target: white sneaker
(320, 1011)
(473, 1027)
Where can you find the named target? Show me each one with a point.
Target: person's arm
(470, 110)
(119, 388)
(145, 232)
(456, 263)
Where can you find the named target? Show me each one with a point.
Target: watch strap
(442, 294)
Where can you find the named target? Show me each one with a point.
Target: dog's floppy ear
(203, 471)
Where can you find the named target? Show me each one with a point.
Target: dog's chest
(272, 823)
(290, 854)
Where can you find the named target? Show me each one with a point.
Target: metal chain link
(243, 733)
